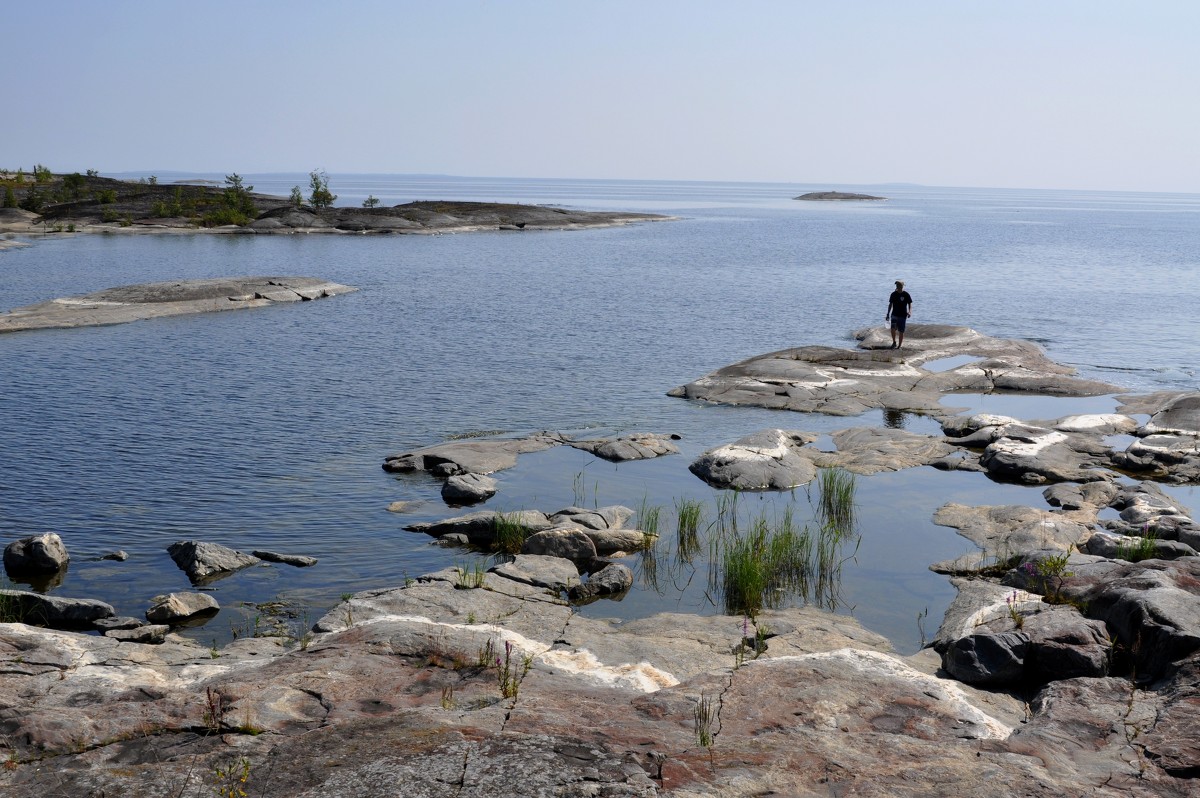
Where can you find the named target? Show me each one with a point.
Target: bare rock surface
(296, 560)
(470, 456)
(1004, 531)
(638, 446)
(848, 382)
(451, 691)
(157, 300)
(871, 450)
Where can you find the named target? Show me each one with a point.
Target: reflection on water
(894, 419)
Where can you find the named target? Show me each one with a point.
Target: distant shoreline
(66, 204)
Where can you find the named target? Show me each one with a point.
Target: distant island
(835, 196)
(46, 202)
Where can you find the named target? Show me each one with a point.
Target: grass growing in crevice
(508, 533)
(470, 578)
(1144, 547)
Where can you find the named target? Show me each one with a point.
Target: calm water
(266, 429)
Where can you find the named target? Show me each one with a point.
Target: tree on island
(320, 196)
(10, 199)
(296, 198)
(371, 201)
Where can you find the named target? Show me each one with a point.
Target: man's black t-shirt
(899, 302)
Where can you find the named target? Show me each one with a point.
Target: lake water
(266, 429)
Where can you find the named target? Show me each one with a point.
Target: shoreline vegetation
(44, 202)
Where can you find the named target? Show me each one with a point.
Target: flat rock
(638, 446)
(849, 382)
(405, 687)
(1005, 531)
(474, 456)
(480, 527)
(56, 612)
(296, 560)
(157, 300)
(539, 570)
(871, 450)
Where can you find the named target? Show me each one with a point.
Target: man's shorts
(898, 322)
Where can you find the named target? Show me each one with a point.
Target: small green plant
(705, 714)
(1013, 613)
(1049, 573)
(42, 174)
(296, 198)
(371, 201)
(1144, 547)
(509, 673)
(486, 654)
(472, 578)
(214, 711)
(229, 780)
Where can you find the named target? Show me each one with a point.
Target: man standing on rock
(899, 309)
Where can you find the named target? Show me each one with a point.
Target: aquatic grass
(508, 533)
(649, 517)
(775, 560)
(835, 505)
(726, 522)
(688, 515)
(649, 566)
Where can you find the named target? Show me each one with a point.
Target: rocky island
(44, 202)
(1069, 664)
(835, 196)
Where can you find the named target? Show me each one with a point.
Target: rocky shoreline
(72, 204)
(1069, 664)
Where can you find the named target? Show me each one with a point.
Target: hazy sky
(1092, 94)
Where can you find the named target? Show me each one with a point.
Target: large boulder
(766, 460)
(203, 562)
(569, 543)
(36, 555)
(612, 579)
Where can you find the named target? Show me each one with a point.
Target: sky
(1070, 94)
